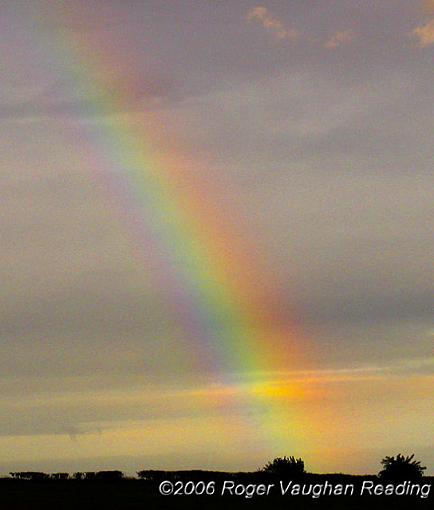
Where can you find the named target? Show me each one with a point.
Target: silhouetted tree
(59, 476)
(151, 474)
(401, 468)
(78, 475)
(109, 475)
(288, 466)
(30, 475)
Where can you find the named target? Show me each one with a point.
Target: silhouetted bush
(78, 475)
(401, 468)
(288, 466)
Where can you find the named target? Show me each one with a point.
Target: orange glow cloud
(263, 16)
(428, 5)
(425, 34)
(339, 38)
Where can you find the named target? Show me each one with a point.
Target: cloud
(428, 5)
(339, 38)
(263, 16)
(425, 34)
(61, 99)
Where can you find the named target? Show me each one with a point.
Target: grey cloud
(332, 174)
(202, 60)
(150, 95)
(297, 117)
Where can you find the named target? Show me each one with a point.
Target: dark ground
(130, 494)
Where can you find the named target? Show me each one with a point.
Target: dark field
(143, 494)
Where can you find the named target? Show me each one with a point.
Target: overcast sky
(312, 123)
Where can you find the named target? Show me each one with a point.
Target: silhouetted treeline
(49, 493)
(87, 475)
(30, 475)
(394, 469)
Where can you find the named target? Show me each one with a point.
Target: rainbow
(225, 304)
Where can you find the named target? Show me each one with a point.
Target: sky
(304, 130)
